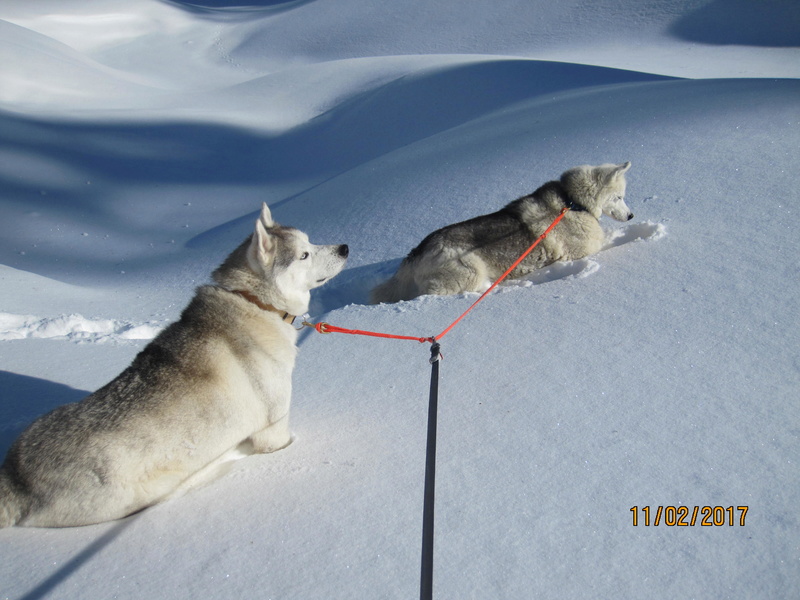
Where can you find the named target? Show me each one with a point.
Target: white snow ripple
(73, 328)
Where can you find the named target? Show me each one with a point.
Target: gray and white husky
(469, 256)
(218, 377)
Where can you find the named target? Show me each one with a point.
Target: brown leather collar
(285, 316)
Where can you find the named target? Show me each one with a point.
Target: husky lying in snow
(469, 256)
(219, 376)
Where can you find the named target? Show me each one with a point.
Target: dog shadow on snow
(353, 286)
(23, 399)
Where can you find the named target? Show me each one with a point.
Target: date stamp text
(685, 516)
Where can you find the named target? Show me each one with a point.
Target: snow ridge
(74, 328)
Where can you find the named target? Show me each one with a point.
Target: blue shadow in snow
(23, 399)
(47, 586)
(773, 23)
(227, 6)
(351, 286)
(360, 128)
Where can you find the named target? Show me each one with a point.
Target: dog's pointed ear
(266, 216)
(262, 247)
(617, 171)
(622, 168)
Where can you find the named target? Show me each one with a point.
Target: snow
(137, 141)
(72, 327)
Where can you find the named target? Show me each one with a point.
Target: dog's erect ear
(622, 168)
(617, 171)
(262, 246)
(266, 216)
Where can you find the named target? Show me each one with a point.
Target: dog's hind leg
(400, 287)
(13, 505)
(467, 273)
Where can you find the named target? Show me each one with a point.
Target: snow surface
(137, 141)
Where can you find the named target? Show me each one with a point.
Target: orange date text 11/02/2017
(685, 516)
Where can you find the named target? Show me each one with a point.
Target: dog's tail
(401, 286)
(11, 501)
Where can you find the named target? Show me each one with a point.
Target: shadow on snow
(24, 398)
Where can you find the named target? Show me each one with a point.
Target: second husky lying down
(469, 256)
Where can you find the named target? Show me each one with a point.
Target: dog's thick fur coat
(218, 377)
(469, 256)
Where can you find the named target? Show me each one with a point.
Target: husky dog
(218, 377)
(469, 256)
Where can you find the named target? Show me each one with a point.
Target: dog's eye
(304, 256)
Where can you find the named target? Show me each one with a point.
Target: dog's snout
(344, 250)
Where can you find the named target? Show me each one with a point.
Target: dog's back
(486, 231)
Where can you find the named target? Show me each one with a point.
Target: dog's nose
(630, 216)
(344, 250)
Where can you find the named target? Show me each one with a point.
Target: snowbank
(137, 143)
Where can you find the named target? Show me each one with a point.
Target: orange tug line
(323, 327)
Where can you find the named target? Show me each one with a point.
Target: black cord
(426, 574)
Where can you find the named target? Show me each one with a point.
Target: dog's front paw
(273, 438)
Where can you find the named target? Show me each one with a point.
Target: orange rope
(323, 327)
(508, 271)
